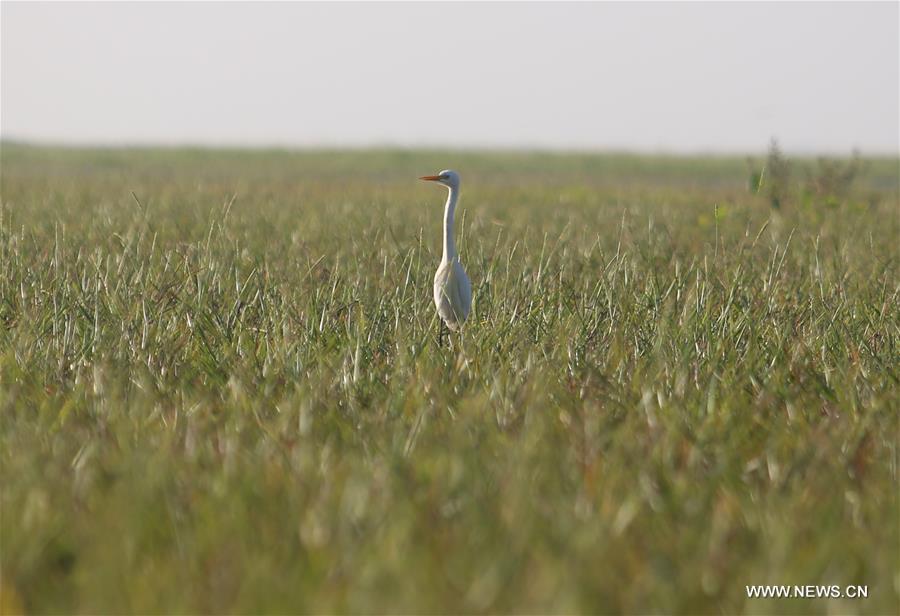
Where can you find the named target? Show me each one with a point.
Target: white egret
(452, 290)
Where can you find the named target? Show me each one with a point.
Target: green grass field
(221, 389)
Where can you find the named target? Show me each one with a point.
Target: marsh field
(222, 391)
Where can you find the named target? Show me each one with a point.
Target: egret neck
(449, 208)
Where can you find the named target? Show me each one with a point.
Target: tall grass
(222, 389)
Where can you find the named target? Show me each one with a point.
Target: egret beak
(430, 178)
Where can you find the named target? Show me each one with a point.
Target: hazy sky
(648, 76)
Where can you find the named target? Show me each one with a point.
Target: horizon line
(431, 147)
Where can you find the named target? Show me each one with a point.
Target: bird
(452, 289)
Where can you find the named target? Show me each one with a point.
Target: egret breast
(452, 294)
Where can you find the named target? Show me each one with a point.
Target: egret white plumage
(452, 290)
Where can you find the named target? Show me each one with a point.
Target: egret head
(447, 177)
